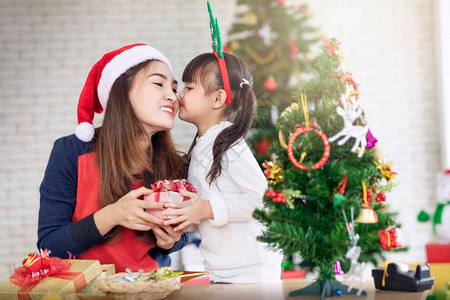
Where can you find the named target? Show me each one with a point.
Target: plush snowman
(441, 219)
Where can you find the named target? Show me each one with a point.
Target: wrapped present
(41, 275)
(441, 273)
(438, 253)
(390, 239)
(92, 287)
(167, 191)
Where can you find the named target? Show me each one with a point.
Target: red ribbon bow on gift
(37, 266)
(172, 186)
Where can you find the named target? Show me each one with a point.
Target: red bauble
(381, 197)
(270, 84)
(304, 8)
(262, 146)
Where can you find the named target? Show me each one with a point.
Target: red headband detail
(225, 79)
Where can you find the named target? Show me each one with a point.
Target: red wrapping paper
(390, 239)
(166, 191)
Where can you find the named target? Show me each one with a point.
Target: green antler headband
(217, 50)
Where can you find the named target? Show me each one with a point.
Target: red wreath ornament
(302, 130)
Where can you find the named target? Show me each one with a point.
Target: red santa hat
(95, 94)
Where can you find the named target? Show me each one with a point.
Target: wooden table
(274, 291)
(279, 291)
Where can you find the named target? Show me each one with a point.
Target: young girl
(225, 173)
(90, 196)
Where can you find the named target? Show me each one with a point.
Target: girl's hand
(186, 216)
(129, 212)
(166, 236)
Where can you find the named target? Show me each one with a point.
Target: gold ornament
(235, 45)
(385, 169)
(273, 171)
(290, 108)
(260, 60)
(282, 140)
(250, 19)
(367, 216)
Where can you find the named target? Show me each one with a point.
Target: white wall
(48, 46)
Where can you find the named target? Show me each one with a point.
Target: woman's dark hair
(118, 151)
(204, 70)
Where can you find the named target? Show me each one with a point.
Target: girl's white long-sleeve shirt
(229, 246)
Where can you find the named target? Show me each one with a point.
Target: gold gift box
(49, 285)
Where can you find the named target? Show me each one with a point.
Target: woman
(91, 193)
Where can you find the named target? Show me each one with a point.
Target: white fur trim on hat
(85, 131)
(121, 63)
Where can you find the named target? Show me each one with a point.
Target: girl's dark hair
(204, 70)
(118, 151)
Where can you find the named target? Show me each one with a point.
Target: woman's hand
(166, 236)
(186, 216)
(129, 212)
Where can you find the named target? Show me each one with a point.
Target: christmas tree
(274, 40)
(326, 197)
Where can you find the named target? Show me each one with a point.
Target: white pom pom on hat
(95, 93)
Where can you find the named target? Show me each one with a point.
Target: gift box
(81, 272)
(390, 239)
(92, 287)
(167, 191)
(438, 253)
(441, 273)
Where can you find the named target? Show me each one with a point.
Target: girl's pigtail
(241, 112)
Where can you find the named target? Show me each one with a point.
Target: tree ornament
(304, 8)
(291, 195)
(282, 140)
(366, 198)
(381, 197)
(262, 146)
(258, 59)
(266, 34)
(300, 131)
(391, 238)
(250, 19)
(276, 197)
(270, 84)
(353, 253)
(349, 114)
(366, 214)
(332, 47)
(371, 140)
(337, 268)
(348, 79)
(273, 171)
(385, 168)
(235, 45)
(293, 48)
(338, 198)
(288, 110)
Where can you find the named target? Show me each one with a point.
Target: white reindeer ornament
(357, 269)
(349, 114)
